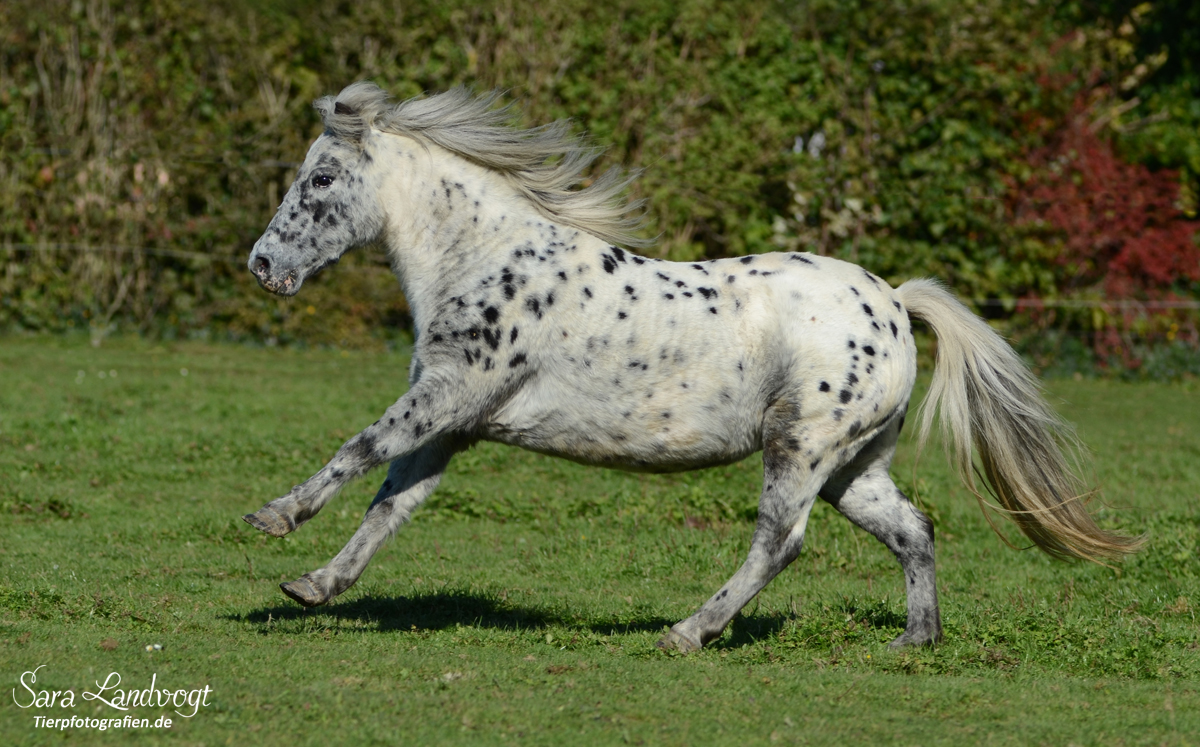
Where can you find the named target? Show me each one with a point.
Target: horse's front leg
(422, 416)
(409, 482)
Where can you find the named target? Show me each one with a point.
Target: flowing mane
(544, 163)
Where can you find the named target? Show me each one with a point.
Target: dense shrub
(1111, 193)
(889, 133)
(1153, 79)
(1119, 235)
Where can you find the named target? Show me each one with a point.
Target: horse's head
(336, 201)
(332, 206)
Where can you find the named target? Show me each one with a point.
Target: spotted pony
(535, 328)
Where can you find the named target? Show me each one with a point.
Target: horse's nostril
(261, 266)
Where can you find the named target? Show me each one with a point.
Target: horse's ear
(340, 108)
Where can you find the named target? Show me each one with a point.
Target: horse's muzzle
(273, 278)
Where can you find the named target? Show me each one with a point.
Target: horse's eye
(322, 180)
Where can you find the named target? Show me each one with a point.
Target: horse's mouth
(281, 285)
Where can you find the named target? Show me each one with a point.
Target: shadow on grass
(439, 611)
(442, 610)
(748, 630)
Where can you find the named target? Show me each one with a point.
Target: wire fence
(1028, 304)
(1008, 304)
(115, 249)
(233, 258)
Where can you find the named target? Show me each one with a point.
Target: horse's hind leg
(865, 494)
(789, 490)
(409, 482)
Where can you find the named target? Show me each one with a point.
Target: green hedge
(889, 133)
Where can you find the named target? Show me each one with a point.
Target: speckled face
(330, 209)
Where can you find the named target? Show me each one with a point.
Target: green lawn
(523, 603)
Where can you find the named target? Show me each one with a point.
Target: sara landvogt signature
(110, 694)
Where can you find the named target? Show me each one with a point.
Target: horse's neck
(449, 220)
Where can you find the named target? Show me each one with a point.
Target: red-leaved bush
(1123, 236)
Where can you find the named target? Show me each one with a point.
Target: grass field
(523, 603)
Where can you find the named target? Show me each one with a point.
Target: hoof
(674, 641)
(304, 591)
(268, 520)
(914, 639)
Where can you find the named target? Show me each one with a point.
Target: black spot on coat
(492, 337)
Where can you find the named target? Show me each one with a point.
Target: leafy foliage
(162, 135)
(1121, 236)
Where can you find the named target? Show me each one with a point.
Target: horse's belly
(639, 453)
(662, 434)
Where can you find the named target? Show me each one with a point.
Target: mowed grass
(523, 602)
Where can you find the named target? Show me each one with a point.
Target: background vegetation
(522, 604)
(1040, 158)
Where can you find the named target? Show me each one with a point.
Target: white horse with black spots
(533, 328)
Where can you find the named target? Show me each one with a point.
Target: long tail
(989, 399)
